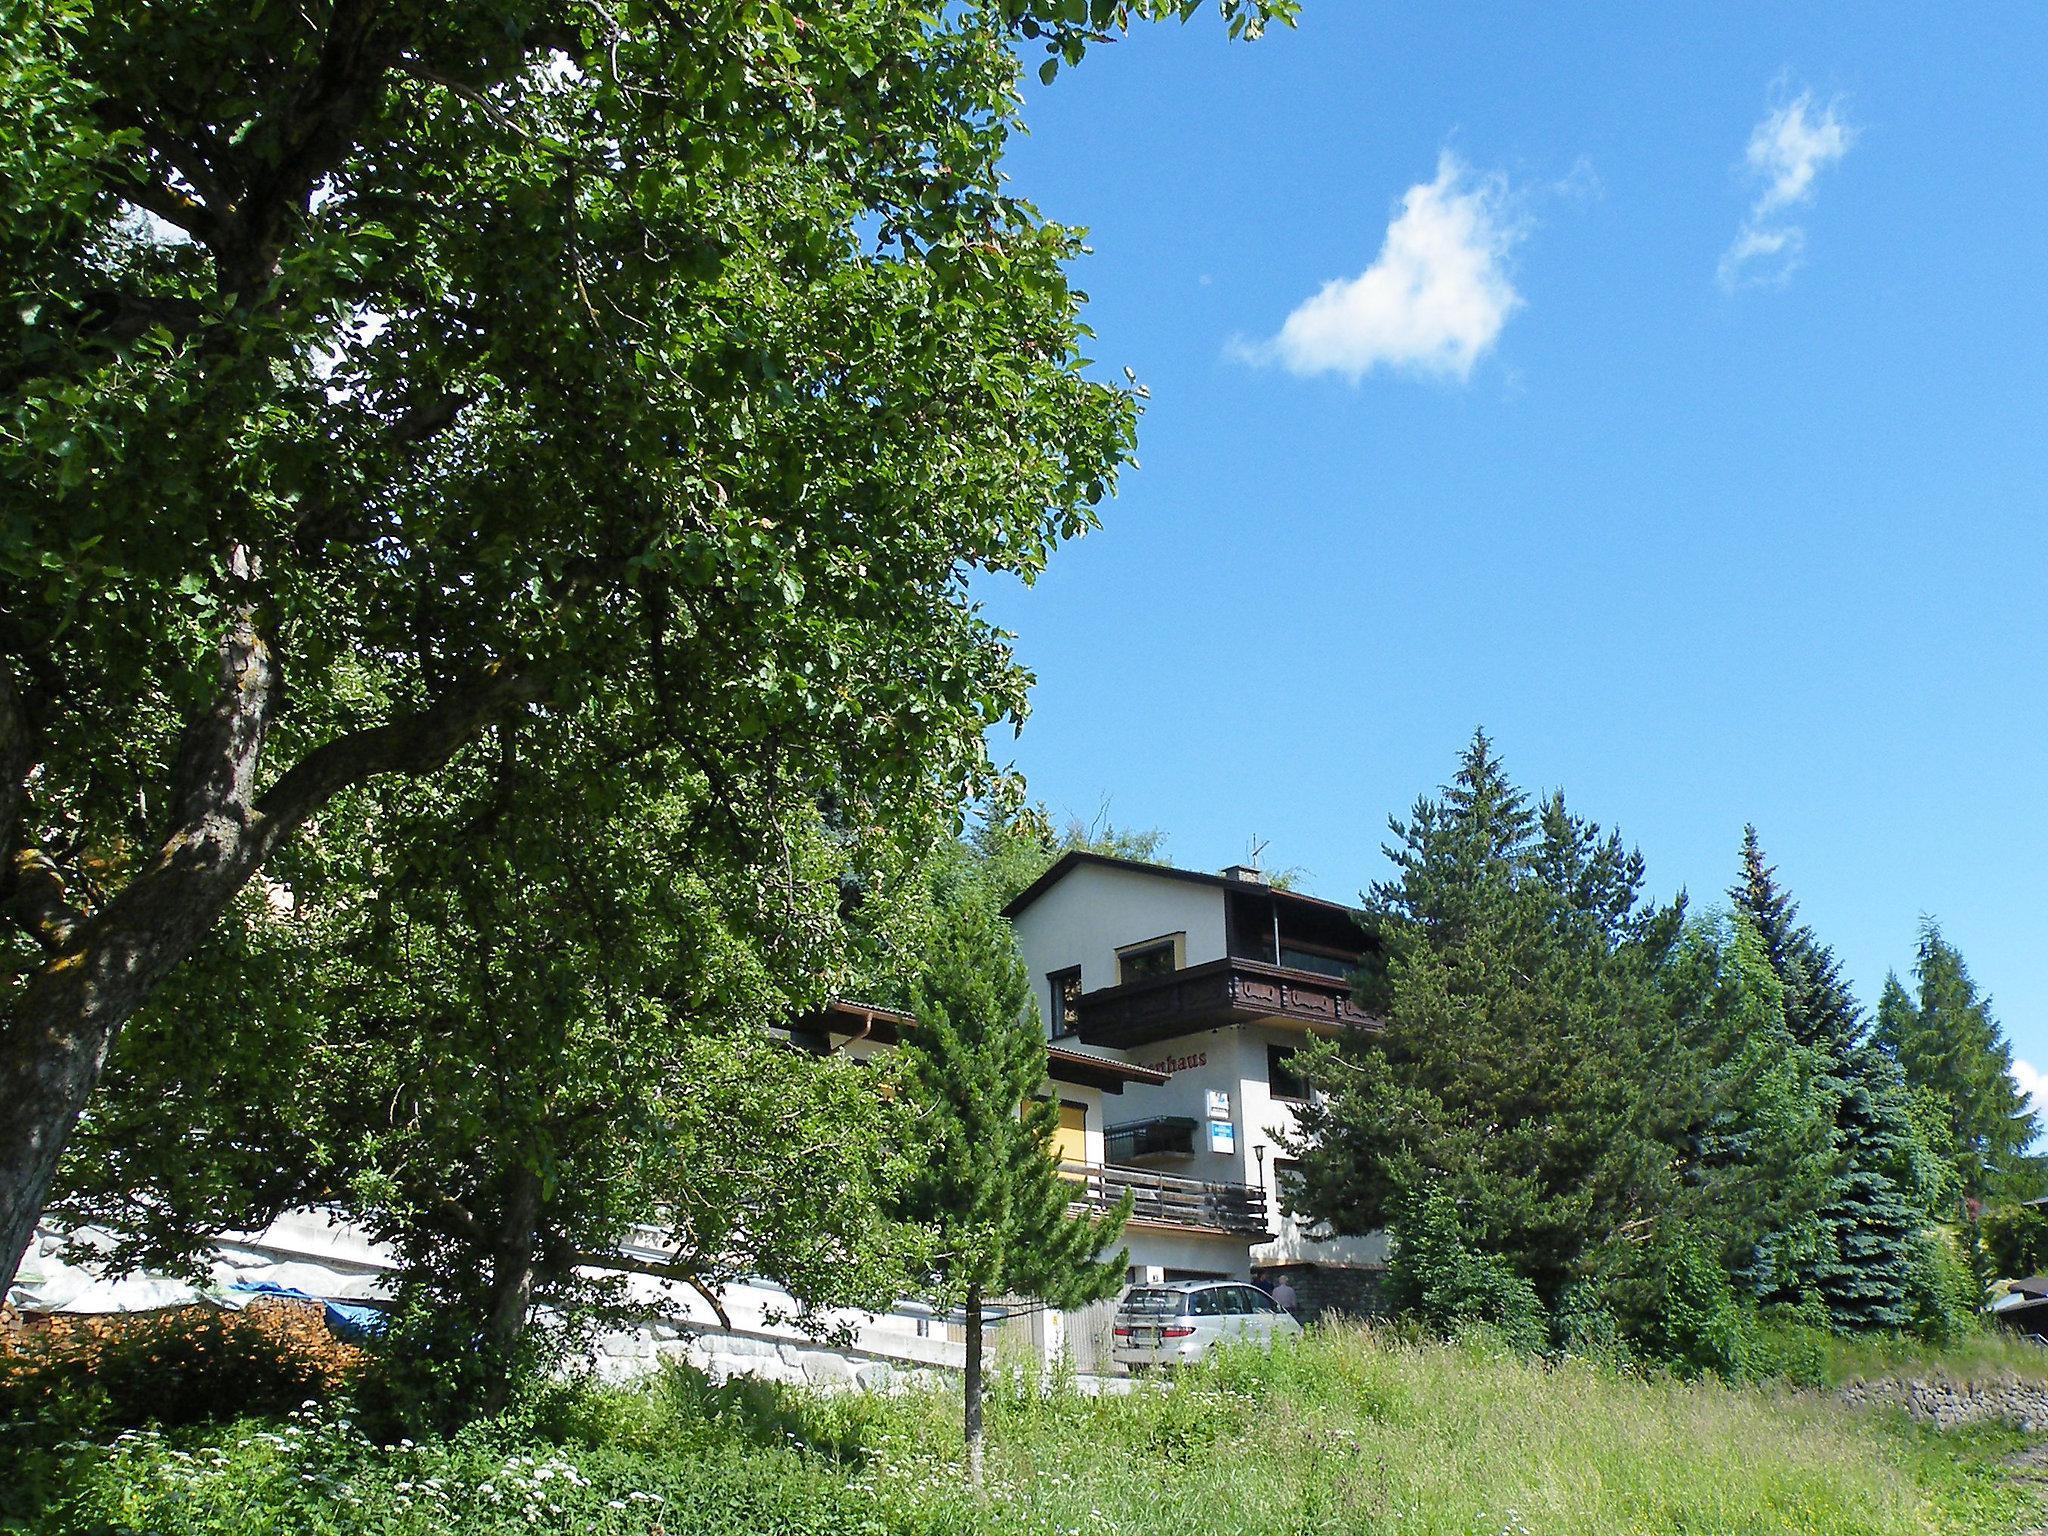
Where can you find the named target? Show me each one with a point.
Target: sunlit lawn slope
(1348, 1432)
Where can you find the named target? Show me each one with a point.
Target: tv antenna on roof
(1257, 848)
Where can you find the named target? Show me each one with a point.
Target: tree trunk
(58, 1027)
(973, 1387)
(512, 1277)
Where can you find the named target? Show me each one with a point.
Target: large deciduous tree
(375, 371)
(517, 1026)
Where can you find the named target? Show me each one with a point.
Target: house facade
(1213, 983)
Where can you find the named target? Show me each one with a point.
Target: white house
(1212, 981)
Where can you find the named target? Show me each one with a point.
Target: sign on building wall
(1222, 1136)
(1219, 1104)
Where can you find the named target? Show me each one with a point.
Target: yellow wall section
(1070, 1141)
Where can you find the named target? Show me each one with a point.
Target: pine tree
(1525, 1076)
(987, 1187)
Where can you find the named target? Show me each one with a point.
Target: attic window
(1154, 957)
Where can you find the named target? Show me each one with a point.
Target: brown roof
(1080, 856)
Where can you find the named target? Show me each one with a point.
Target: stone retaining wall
(1947, 1404)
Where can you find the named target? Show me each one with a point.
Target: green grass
(1349, 1432)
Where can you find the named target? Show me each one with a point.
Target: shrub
(2016, 1241)
(1436, 1277)
(89, 1377)
(194, 1365)
(1941, 1290)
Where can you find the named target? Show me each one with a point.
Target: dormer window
(1154, 957)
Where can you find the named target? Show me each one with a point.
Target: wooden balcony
(1215, 994)
(1160, 1197)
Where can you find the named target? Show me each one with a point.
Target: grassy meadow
(1349, 1431)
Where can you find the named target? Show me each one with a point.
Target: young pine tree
(987, 1186)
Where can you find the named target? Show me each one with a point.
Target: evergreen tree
(1819, 1007)
(1765, 1147)
(986, 1184)
(1528, 1074)
(1874, 1222)
(1948, 1043)
(1877, 1208)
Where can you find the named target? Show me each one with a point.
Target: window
(1282, 1080)
(1262, 1304)
(1066, 996)
(1217, 1301)
(1287, 1185)
(1154, 957)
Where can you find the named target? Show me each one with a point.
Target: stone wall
(1330, 1290)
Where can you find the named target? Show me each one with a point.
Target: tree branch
(625, 1264)
(17, 756)
(415, 744)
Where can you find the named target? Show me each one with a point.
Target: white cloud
(1788, 150)
(2034, 1084)
(1433, 301)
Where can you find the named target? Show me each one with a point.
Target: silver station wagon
(1179, 1322)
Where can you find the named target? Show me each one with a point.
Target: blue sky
(1678, 415)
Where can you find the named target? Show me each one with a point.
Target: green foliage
(1884, 1186)
(1874, 1223)
(1943, 1292)
(1699, 1327)
(541, 1029)
(1436, 1278)
(2016, 1241)
(1529, 1071)
(1765, 1151)
(371, 376)
(172, 1369)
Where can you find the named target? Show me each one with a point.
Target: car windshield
(1155, 1302)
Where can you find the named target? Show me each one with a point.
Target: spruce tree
(1872, 1214)
(987, 1187)
(1819, 1007)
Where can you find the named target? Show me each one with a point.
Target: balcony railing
(1212, 995)
(1160, 1197)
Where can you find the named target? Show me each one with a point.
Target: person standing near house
(1283, 1296)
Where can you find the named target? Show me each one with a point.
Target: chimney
(1249, 874)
